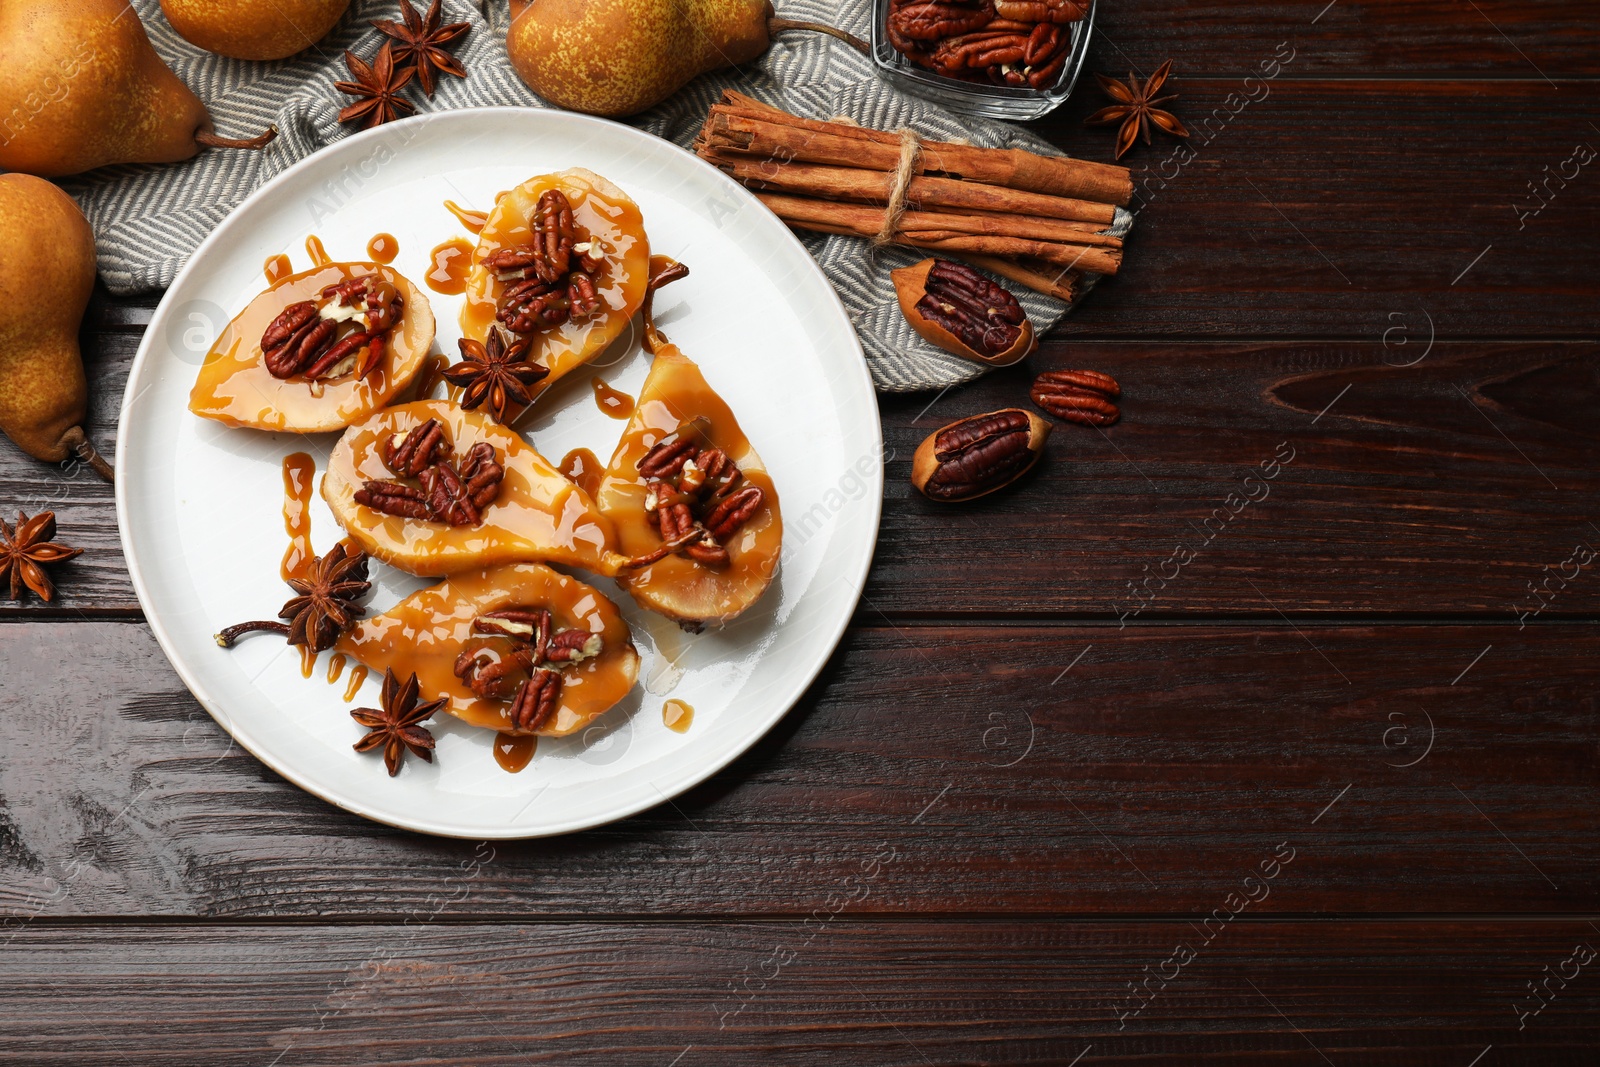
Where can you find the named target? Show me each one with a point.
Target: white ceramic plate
(200, 505)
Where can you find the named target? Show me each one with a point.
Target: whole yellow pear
(619, 57)
(47, 270)
(83, 88)
(254, 29)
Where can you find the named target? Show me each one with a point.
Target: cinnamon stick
(1041, 278)
(985, 235)
(872, 186)
(742, 123)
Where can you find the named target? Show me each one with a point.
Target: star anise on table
(498, 373)
(395, 725)
(378, 87)
(419, 43)
(324, 605)
(25, 550)
(1136, 109)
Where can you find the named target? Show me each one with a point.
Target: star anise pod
(324, 605)
(496, 372)
(1136, 109)
(394, 726)
(378, 86)
(419, 43)
(24, 551)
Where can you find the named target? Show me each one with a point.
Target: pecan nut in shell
(978, 455)
(955, 307)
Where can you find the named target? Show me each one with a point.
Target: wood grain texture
(1420, 489)
(1419, 994)
(1009, 769)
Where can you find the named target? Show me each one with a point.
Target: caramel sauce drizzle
(451, 261)
(513, 752)
(298, 467)
(277, 268)
(473, 221)
(677, 716)
(308, 661)
(319, 255)
(336, 666)
(358, 674)
(431, 374)
(383, 248)
(583, 469)
(613, 402)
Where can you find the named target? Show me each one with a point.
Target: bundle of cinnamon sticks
(1034, 219)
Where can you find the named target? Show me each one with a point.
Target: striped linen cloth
(148, 219)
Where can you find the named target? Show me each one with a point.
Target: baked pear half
(562, 263)
(521, 649)
(686, 491)
(318, 351)
(435, 490)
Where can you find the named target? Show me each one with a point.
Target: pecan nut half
(963, 312)
(1083, 396)
(307, 341)
(418, 450)
(553, 236)
(536, 701)
(1056, 11)
(978, 455)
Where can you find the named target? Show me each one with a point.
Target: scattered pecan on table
(978, 455)
(1086, 397)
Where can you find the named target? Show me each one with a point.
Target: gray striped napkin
(148, 219)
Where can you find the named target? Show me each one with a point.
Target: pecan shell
(963, 312)
(978, 455)
(1083, 396)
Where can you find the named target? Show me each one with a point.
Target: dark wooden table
(1323, 793)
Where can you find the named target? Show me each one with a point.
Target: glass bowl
(976, 98)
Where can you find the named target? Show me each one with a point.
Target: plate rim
(683, 782)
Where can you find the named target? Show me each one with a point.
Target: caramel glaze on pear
(426, 632)
(46, 273)
(696, 596)
(538, 514)
(234, 386)
(253, 29)
(82, 88)
(612, 223)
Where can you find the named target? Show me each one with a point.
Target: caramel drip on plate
(358, 674)
(336, 666)
(298, 467)
(319, 255)
(473, 221)
(276, 268)
(451, 261)
(677, 715)
(383, 248)
(613, 402)
(582, 468)
(431, 374)
(513, 752)
(308, 661)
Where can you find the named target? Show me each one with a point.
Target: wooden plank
(819, 991)
(1416, 489)
(1493, 38)
(1038, 770)
(1324, 206)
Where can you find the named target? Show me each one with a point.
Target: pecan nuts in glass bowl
(1002, 59)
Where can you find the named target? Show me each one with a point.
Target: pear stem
(211, 140)
(655, 340)
(775, 26)
(84, 450)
